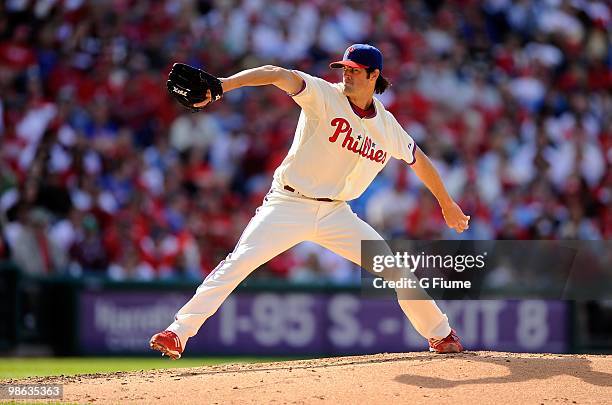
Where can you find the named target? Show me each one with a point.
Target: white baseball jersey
(335, 153)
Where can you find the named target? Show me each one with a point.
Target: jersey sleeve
(403, 146)
(311, 97)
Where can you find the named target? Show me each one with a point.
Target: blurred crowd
(102, 173)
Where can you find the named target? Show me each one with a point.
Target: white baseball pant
(284, 220)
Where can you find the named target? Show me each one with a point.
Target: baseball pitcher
(344, 137)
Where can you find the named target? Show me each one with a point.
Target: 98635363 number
(31, 391)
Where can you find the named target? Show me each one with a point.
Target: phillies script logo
(364, 147)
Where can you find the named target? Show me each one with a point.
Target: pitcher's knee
(234, 266)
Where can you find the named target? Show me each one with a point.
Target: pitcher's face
(356, 80)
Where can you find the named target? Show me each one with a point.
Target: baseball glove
(188, 85)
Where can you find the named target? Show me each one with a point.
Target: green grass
(29, 367)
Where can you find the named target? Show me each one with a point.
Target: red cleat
(449, 344)
(168, 343)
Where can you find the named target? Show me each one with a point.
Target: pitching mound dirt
(467, 378)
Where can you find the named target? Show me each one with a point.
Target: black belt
(289, 188)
